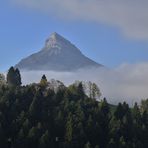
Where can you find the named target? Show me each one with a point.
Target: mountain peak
(58, 54)
(55, 35)
(56, 41)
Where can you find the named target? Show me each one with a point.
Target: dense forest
(51, 115)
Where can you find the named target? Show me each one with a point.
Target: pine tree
(119, 113)
(43, 81)
(13, 77)
(122, 143)
(69, 129)
(87, 145)
(111, 143)
(35, 108)
(21, 134)
(33, 137)
(44, 140)
(18, 77)
(136, 114)
(104, 107)
(80, 90)
(104, 123)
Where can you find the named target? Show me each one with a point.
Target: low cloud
(130, 16)
(126, 83)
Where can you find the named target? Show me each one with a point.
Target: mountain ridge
(58, 54)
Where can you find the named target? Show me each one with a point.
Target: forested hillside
(52, 115)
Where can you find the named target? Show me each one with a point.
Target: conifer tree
(87, 145)
(119, 113)
(18, 77)
(2, 79)
(43, 81)
(44, 140)
(69, 129)
(122, 143)
(13, 77)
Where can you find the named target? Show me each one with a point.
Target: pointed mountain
(58, 54)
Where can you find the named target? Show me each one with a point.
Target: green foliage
(39, 116)
(14, 77)
(69, 128)
(87, 145)
(97, 146)
(144, 105)
(2, 79)
(92, 90)
(122, 143)
(44, 140)
(43, 81)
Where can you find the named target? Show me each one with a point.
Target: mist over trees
(50, 114)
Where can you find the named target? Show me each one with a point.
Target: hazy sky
(111, 32)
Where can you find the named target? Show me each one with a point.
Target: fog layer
(126, 83)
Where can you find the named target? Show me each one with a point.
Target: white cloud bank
(131, 16)
(125, 83)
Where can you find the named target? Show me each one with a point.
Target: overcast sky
(111, 32)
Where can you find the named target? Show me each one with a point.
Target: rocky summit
(58, 54)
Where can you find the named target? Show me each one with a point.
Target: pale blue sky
(25, 25)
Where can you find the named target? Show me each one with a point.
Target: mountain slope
(58, 54)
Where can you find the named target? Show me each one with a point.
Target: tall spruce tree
(13, 77)
(69, 128)
(43, 81)
(18, 77)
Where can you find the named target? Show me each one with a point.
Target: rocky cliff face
(58, 54)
